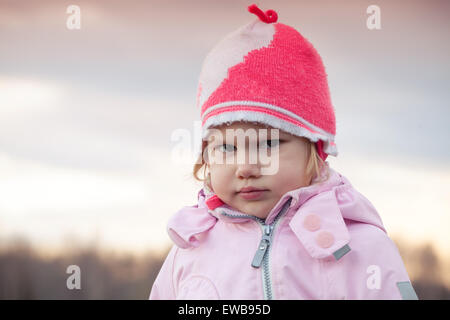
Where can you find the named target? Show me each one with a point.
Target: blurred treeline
(26, 274)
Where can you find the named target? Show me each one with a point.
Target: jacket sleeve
(163, 287)
(372, 270)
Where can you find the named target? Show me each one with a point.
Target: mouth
(251, 189)
(250, 193)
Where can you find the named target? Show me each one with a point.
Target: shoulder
(374, 268)
(366, 239)
(188, 226)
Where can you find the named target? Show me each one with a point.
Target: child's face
(231, 174)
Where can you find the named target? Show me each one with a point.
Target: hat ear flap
(319, 147)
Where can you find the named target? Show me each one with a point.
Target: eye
(270, 143)
(228, 147)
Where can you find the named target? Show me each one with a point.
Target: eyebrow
(211, 140)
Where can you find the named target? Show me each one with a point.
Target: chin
(254, 209)
(262, 216)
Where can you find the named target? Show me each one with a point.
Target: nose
(248, 162)
(245, 171)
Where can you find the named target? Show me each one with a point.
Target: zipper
(262, 252)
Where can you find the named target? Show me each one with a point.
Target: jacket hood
(331, 201)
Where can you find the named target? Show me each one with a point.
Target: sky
(87, 116)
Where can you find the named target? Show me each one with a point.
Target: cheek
(220, 177)
(292, 173)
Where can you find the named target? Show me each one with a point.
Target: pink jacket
(324, 241)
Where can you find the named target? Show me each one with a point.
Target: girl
(288, 228)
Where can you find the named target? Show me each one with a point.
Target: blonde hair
(314, 166)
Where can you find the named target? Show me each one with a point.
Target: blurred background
(87, 172)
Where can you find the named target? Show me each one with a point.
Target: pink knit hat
(267, 72)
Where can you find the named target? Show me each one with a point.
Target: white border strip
(271, 107)
(275, 122)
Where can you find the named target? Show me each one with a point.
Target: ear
(205, 154)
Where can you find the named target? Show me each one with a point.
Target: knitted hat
(267, 72)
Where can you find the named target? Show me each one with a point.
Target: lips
(251, 189)
(252, 193)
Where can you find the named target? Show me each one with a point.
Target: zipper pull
(263, 246)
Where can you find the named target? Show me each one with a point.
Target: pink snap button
(325, 239)
(312, 222)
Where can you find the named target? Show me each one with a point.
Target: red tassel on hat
(269, 16)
